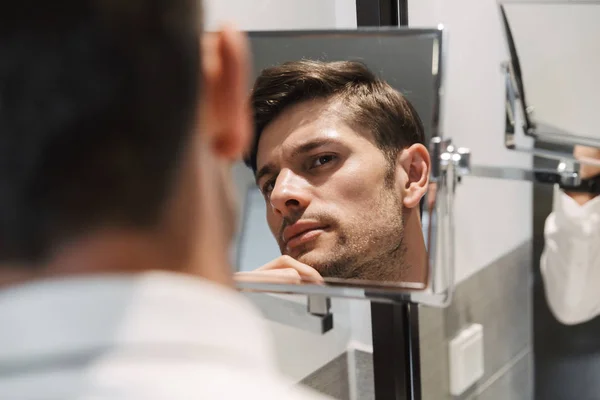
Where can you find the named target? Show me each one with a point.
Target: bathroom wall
(493, 231)
(493, 218)
(271, 14)
(494, 214)
(499, 298)
(569, 52)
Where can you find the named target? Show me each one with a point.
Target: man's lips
(301, 229)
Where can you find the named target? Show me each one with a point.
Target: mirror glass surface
(557, 48)
(559, 57)
(330, 191)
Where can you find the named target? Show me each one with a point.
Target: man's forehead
(298, 124)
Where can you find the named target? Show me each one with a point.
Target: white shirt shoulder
(570, 262)
(150, 336)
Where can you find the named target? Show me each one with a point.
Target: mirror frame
(441, 256)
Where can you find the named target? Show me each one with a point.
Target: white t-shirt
(570, 262)
(148, 336)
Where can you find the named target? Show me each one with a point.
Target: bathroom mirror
(555, 57)
(373, 223)
(555, 60)
(549, 79)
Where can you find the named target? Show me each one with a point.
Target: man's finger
(287, 275)
(288, 262)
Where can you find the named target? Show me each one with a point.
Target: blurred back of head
(98, 99)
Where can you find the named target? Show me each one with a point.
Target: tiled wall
(331, 379)
(349, 376)
(499, 298)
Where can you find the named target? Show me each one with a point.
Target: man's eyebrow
(265, 170)
(312, 145)
(296, 151)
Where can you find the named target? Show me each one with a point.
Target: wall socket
(466, 358)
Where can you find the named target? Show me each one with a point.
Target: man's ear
(225, 109)
(416, 163)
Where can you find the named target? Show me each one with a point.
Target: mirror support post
(395, 327)
(396, 361)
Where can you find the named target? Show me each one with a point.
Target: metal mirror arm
(519, 119)
(566, 175)
(517, 104)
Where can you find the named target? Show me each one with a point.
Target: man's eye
(267, 187)
(321, 160)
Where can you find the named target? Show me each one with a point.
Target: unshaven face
(332, 196)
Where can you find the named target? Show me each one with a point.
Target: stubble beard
(374, 253)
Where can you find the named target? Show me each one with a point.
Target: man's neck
(106, 252)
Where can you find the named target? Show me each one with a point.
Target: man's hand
(582, 153)
(283, 269)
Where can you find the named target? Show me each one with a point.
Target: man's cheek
(355, 190)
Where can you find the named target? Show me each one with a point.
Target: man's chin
(305, 257)
(308, 252)
(324, 262)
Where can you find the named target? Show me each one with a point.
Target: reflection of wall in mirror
(256, 245)
(560, 60)
(398, 60)
(492, 217)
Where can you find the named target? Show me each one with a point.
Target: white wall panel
(492, 217)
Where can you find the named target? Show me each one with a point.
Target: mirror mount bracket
(519, 117)
(565, 175)
(459, 158)
(319, 305)
(568, 171)
(316, 317)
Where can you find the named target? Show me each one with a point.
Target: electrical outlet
(466, 359)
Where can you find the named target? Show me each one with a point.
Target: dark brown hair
(369, 102)
(99, 101)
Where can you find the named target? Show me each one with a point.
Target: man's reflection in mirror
(339, 158)
(570, 262)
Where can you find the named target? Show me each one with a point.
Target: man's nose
(290, 194)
